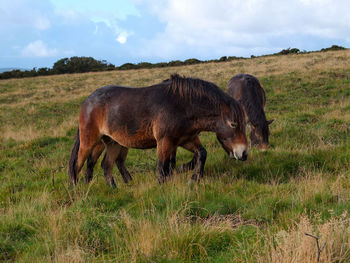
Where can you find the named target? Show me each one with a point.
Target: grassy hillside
(253, 211)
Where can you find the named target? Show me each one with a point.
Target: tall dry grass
(293, 246)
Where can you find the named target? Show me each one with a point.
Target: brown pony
(165, 116)
(247, 90)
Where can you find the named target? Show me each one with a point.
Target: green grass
(240, 212)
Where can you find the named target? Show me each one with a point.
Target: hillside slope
(256, 211)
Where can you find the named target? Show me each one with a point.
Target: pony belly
(138, 141)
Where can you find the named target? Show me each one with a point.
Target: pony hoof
(88, 180)
(181, 169)
(127, 180)
(195, 177)
(112, 184)
(161, 180)
(73, 183)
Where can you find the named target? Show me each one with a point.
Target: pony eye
(233, 124)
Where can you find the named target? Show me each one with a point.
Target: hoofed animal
(247, 90)
(165, 116)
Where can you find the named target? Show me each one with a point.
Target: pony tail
(72, 171)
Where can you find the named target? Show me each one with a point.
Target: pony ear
(269, 122)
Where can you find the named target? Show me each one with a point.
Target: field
(253, 211)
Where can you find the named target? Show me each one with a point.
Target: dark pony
(247, 90)
(165, 116)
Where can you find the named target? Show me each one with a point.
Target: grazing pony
(247, 90)
(165, 116)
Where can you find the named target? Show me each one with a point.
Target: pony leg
(191, 164)
(197, 148)
(173, 161)
(72, 165)
(84, 143)
(165, 149)
(120, 162)
(112, 152)
(92, 159)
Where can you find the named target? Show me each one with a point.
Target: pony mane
(253, 104)
(195, 90)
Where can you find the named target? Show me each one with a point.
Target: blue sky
(36, 33)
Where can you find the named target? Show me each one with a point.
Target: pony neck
(206, 119)
(207, 123)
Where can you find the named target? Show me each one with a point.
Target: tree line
(89, 64)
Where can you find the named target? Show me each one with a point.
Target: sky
(37, 33)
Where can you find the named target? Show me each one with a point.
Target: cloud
(123, 31)
(25, 13)
(102, 10)
(210, 28)
(38, 49)
(109, 12)
(123, 37)
(45, 34)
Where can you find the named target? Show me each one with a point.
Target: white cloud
(108, 12)
(25, 13)
(123, 37)
(223, 26)
(38, 49)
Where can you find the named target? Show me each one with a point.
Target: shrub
(145, 65)
(175, 63)
(80, 65)
(333, 48)
(288, 51)
(128, 66)
(192, 61)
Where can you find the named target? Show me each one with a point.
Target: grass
(254, 211)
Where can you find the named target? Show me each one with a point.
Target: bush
(161, 65)
(175, 63)
(289, 51)
(80, 65)
(234, 58)
(145, 65)
(192, 61)
(128, 66)
(333, 48)
(44, 71)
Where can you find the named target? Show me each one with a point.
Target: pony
(246, 89)
(163, 116)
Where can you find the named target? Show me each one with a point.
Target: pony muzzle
(239, 153)
(263, 146)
